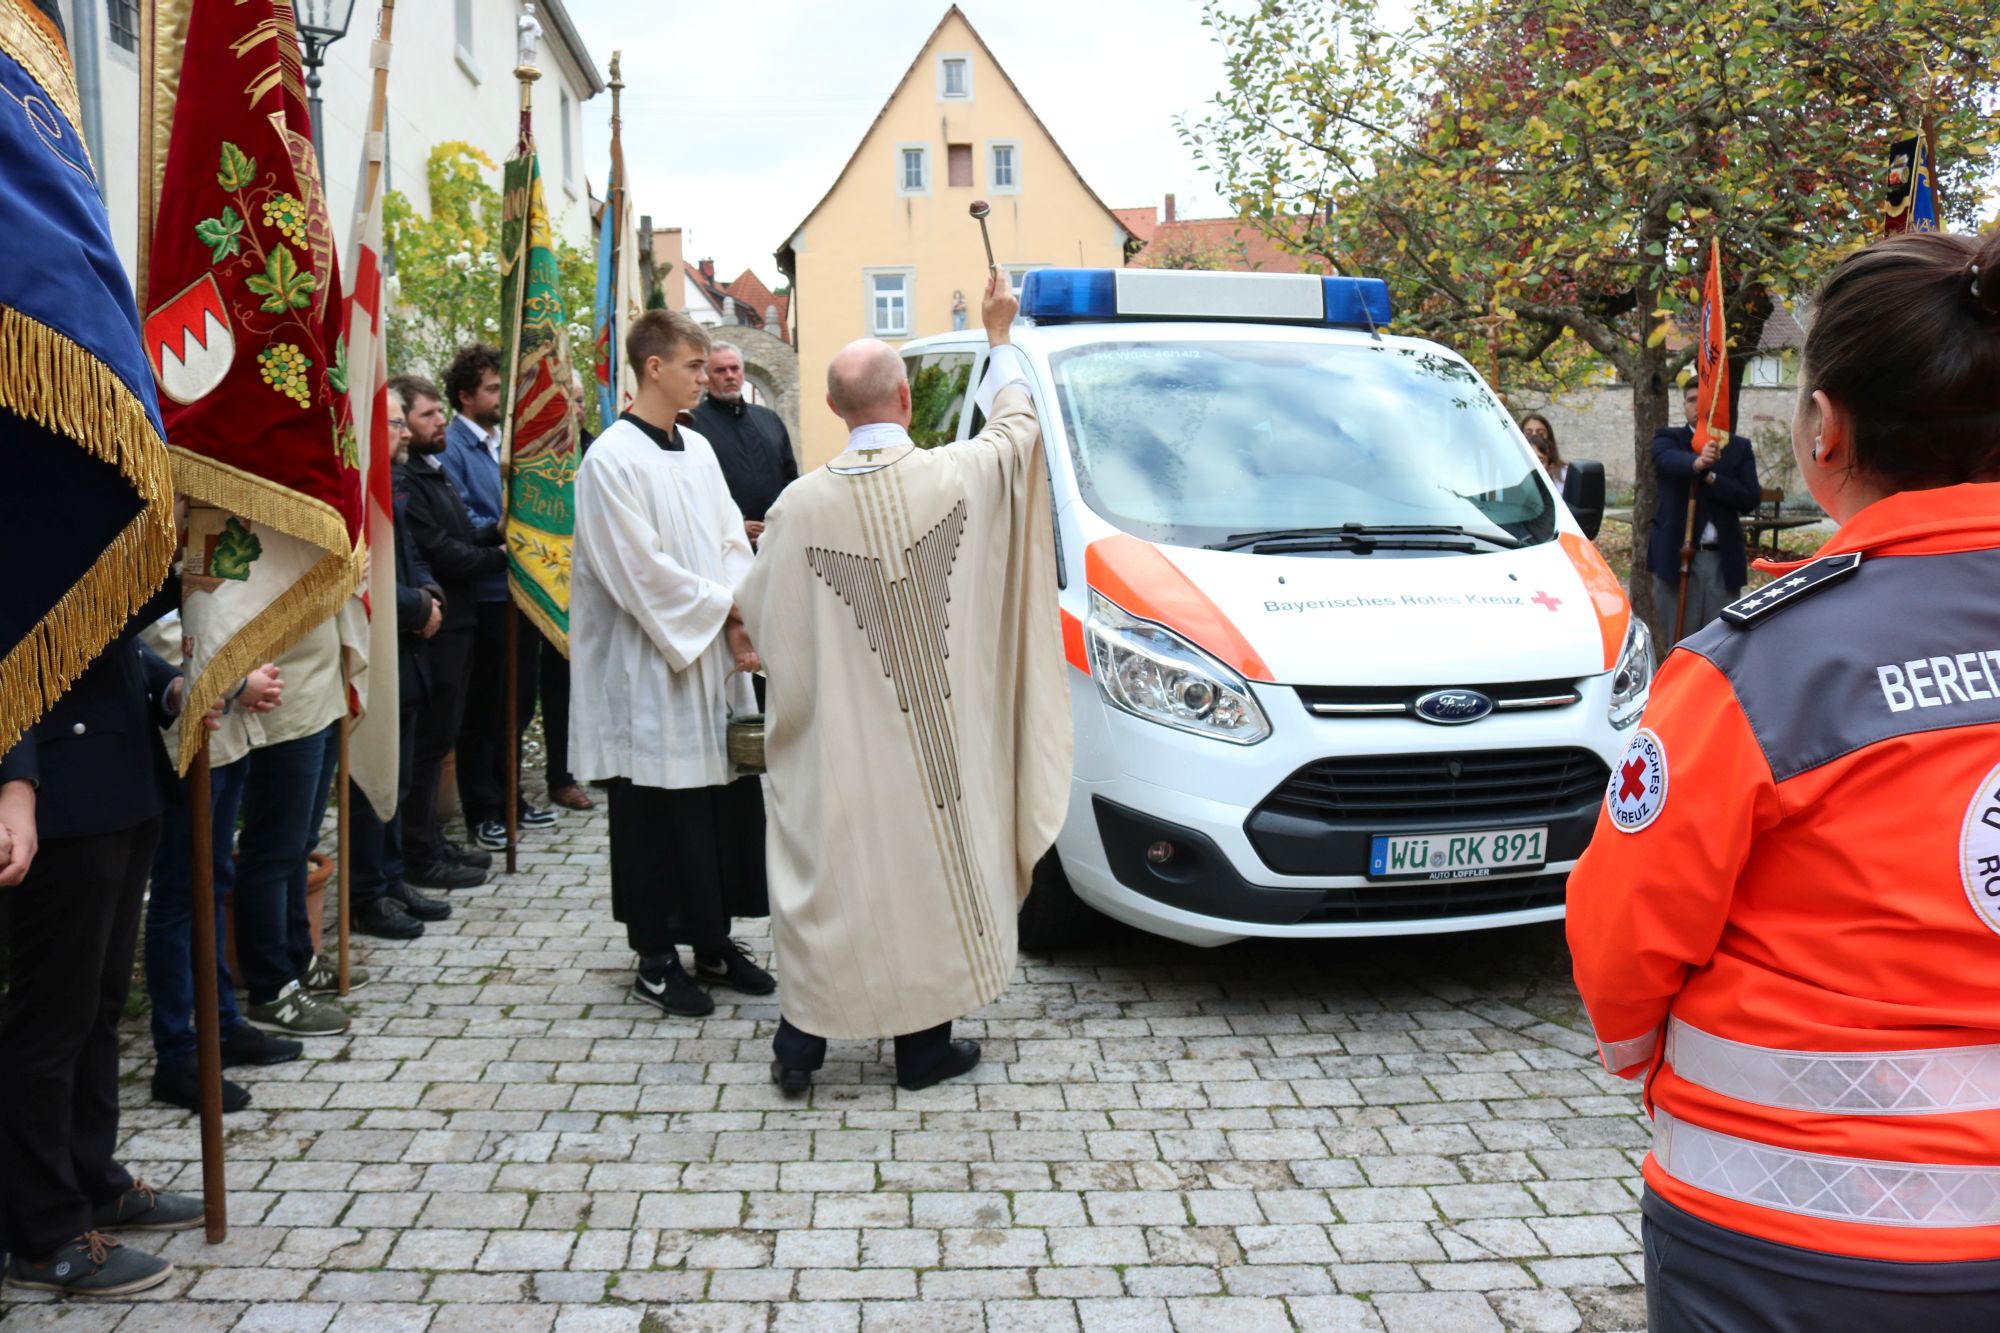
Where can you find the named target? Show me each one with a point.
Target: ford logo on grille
(1453, 708)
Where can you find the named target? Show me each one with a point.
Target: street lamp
(321, 24)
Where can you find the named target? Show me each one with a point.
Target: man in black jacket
(458, 555)
(382, 900)
(750, 441)
(1723, 478)
(81, 796)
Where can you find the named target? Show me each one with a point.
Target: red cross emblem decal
(1632, 780)
(1543, 599)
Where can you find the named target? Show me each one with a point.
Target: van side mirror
(1586, 494)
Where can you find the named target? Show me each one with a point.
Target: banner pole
(514, 294)
(207, 1025)
(513, 732)
(340, 843)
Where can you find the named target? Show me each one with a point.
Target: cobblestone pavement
(1391, 1135)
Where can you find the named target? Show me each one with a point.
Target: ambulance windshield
(1193, 443)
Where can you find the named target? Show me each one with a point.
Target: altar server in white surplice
(656, 648)
(918, 737)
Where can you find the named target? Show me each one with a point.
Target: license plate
(1467, 855)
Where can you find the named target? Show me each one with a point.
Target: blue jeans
(283, 804)
(170, 917)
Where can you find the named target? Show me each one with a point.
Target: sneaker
(467, 856)
(323, 975)
(960, 1059)
(300, 1014)
(445, 875)
(385, 919)
(488, 833)
(143, 1208)
(663, 983)
(533, 816)
(93, 1264)
(245, 1045)
(179, 1084)
(419, 905)
(570, 797)
(733, 968)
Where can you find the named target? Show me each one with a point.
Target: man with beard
(458, 554)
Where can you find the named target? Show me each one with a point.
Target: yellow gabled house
(891, 250)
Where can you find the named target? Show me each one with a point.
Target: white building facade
(451, 77)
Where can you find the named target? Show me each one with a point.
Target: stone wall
(1597, 423)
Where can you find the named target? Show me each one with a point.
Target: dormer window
(955, 78)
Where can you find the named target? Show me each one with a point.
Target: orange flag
(1711, 364)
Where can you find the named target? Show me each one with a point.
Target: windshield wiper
(1363, 537)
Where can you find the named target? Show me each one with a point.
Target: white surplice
(659, 550)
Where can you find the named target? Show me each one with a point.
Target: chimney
(1170, 207)
(707, 267)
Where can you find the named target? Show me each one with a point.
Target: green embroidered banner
(539, 452)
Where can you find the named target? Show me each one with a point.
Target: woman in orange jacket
(1788, 922)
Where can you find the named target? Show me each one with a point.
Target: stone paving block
(1332, 1314)
(1437, 1312)
(1229, 1314)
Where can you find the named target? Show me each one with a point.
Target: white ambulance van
(1342, 662)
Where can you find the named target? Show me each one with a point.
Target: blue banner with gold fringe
(86, 496)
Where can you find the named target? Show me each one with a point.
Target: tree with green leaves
(1549, 173)
(445, 285)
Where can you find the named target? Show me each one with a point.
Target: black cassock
(685, 861)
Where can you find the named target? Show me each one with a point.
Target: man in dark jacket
(458, 555)
(81, 796)
(1724, 480)
(383, 902)
(750, 441)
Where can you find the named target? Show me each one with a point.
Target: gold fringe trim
(26, 37)
(247, 495)
(316, 598)
(539, 618)
(53, 382)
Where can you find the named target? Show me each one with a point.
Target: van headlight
(1152, 672)
(1633, 676)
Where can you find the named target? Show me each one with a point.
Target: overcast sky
(739, 115)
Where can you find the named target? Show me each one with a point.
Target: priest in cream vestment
(903, 604)
(654, 676)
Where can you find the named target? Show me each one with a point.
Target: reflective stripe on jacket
(1798, 942)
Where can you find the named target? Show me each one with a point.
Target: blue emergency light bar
(1089, 295)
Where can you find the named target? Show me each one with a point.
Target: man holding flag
(1701, 555)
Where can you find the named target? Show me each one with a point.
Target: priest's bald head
(866, 385)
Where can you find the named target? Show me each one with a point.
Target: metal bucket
(746, 742)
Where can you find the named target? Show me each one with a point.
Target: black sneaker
(445, 875)
(419, 905)
(143, 1208)
(791, 1082)
(663, 983)
(733, 968)
(960, 1059)
(488, 833)
(467, 856)
(179, 1084)
(93, 1264)
(247, 1046)
(385, 919)
(536, 816)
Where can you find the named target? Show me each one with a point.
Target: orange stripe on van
(1073, 648)
(1614, 612)
(1143, 582)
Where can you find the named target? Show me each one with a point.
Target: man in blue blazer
(471, 459)
(1723, 478)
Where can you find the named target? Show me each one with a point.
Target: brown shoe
(571, 797)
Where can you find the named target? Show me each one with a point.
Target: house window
(462, 33)
(569, 173)
(1003, 167)
(124, 23)
(954, 77)
(1018, 274)
(913, 169)
(889, 304)
(958, 164)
